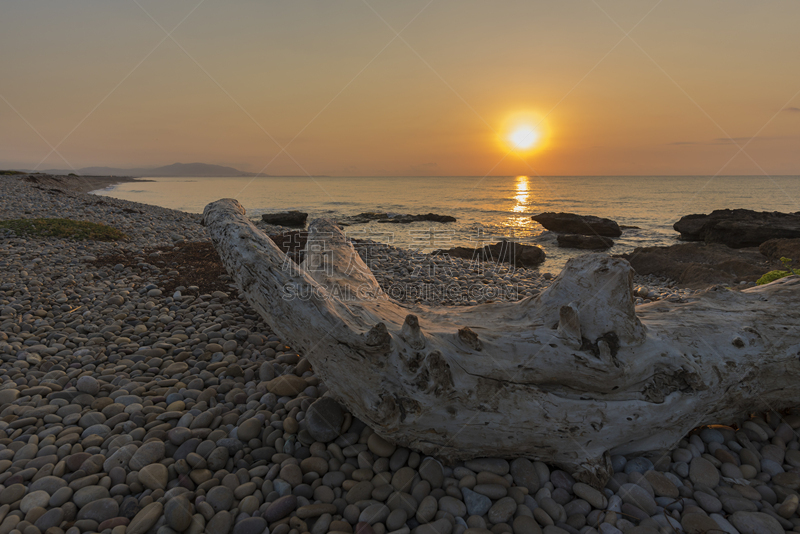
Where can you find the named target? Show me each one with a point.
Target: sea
(486, 208)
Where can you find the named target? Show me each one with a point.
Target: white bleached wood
(568, 377)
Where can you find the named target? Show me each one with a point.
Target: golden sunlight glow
(524, 132)
(522, 194)
(523, 137)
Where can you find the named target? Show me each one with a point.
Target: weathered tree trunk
(567, 377)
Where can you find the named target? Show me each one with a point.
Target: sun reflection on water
(522, 195)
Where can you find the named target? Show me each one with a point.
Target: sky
(411, 87)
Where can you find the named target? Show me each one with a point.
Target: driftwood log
(568, 377)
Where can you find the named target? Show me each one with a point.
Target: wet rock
(586, 242)
(571, 223)
(739, 228)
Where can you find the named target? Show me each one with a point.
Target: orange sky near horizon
(89, 83)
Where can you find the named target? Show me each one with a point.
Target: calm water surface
(486, 208)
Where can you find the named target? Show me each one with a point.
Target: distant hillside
(176, 169)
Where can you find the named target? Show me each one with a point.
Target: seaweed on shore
(188, 264)
(63, 228)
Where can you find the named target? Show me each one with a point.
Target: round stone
(149, 453)
(250, 429)
(51, 518)
(707, 502)
(396, 519)
(662, 486)
(696, 523)
(50, 484)
(477, 504)
(380, 446)
(280, 508)
(292, 474)
(711, 435)
(145, 519)
(154, 476)
(314, 464)
(452, 506)
(178, 513)
(34, 499)
(502, 510)
(324, 419)
(375, 513)
(639, 497)
(221, 522)
(287, 385)
(640, 464)
(84, 496)
(525, 475)
(526, 525)
(427, 509)
(701, 471)
(590, 495)
(250, 525)
(755, 523)
(432, 471)
(88, 384)
(12, 493)
(403, 478)
(220, 498)
(99, 510)
(8, 396)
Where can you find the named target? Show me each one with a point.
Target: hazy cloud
(796, 110)
(733, 140)
(424, 167)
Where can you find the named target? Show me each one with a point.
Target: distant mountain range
(176, 169)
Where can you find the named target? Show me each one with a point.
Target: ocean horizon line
(480, 176)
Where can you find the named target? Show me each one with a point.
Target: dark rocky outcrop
(775, 249)
(587, 242)
(516, 254)
(285, 218)
(571, 223)
(366, 217)
(699, 265)
(739, 228)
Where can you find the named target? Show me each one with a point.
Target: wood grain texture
(568, 377)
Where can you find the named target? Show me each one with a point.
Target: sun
(524, 132)
(523, 138)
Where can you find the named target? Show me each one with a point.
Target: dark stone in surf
(571, 223)
(285, 218)
(586, 242)
(739, 228)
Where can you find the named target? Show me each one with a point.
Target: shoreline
(78, 183)
(137, 396)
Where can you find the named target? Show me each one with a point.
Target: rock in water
(404, 218)
(285, 218)
(571, 223)
(505, 251)
(739, 228)
(587, 242)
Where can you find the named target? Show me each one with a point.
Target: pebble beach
(138, 395)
